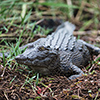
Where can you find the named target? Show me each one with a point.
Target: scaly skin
(58, 53)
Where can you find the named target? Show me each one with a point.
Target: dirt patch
(14, 86)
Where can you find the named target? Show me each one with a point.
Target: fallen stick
(87, 32)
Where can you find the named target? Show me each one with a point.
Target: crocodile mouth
(34, 63)
(35, 68)
(23, 60)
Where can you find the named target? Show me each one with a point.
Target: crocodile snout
(20, 57)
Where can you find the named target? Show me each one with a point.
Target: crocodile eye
(41, 48)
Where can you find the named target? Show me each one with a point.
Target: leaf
(37, 79)
(77, 97)
(57, 5)
(90, 95)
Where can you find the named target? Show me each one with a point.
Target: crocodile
(59, 53)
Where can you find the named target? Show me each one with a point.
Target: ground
(23, 21)
(16, 85)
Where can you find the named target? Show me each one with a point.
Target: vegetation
(20, 23)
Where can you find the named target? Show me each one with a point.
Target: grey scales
(59, 53)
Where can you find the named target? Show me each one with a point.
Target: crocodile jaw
(44, 69)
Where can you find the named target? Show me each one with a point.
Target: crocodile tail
(67, 26)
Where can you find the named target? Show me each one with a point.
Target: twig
(80, 11)
(69, 2)
(3, 72)
(94, 63)
(39, 21)
(6, 96)
(86, 32)
(96, 96)
(46, 88)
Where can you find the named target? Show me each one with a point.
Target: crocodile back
(79, 56)
(70, 49)
(62, 38)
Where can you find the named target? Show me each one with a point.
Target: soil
(17, 83)
(13, 87)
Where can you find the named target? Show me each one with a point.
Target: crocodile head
(41, 58)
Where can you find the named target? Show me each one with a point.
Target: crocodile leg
(93, 50)
(76, 70)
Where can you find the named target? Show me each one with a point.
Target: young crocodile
(58, 53)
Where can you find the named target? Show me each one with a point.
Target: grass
(16, 11)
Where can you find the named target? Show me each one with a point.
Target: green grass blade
(57, 5)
